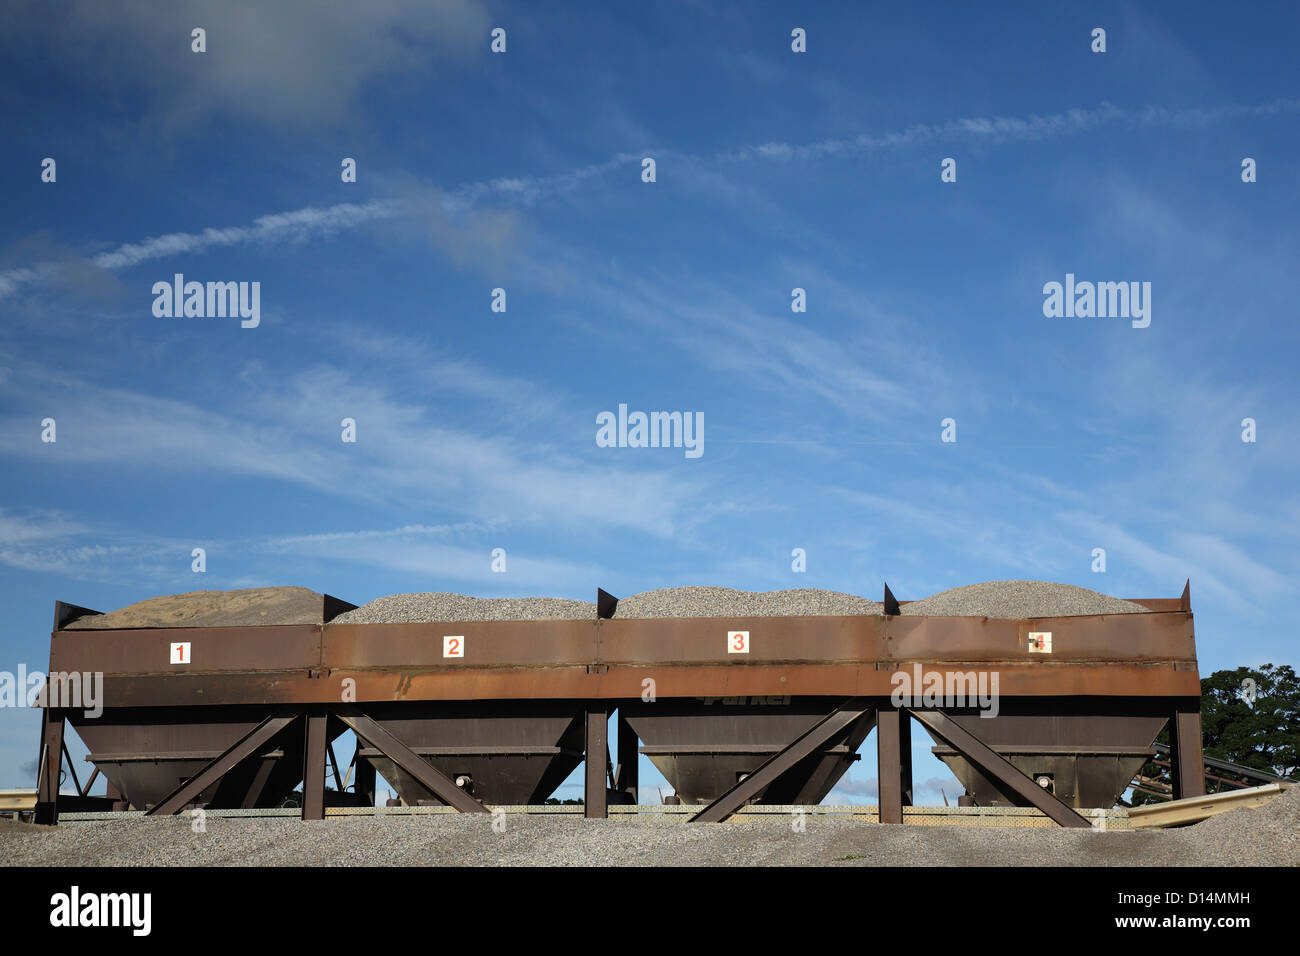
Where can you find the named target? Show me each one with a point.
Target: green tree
(1263, 733)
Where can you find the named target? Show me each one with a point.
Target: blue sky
(775, 170)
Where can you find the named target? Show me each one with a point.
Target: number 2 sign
(738, 642)
(453, 646)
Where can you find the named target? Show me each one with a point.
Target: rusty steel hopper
(147, 752)
(502, 752)
(242, 712)
(704, 746)
(1075, 748)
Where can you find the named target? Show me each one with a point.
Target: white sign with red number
(1040, 642)
(738, 642)
(453, 646)
(181, 653)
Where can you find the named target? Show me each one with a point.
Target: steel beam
(258, 783)
(315, 745)
(49, 766)
(597, 759)
(770, 769)
(334, 766)
(1187, 765)
(437, 782)
(72, 769)
(905, 755)
(245, 747)
(365, 785)
(995, 765)
(889, 763)
(627, 777)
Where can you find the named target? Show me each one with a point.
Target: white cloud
(287, 63)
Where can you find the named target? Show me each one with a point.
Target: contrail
(300, 225)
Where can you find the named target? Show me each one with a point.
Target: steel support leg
(597, 758)
(627, 777)
(48, 767)
(1186, 761)
(365, 788)
(316, 742)
(905, 755)
(889, 762)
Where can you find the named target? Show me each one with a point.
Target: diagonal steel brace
(994, 764)
(806, 743)
(442, 786)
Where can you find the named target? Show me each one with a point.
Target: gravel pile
(727, 602)
(555, 840)
(1240, 832)
(1019, 599)
(246, 606)
(445, 606)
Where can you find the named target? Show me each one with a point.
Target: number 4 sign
(453, 646)
(738, 642)
(181, 653)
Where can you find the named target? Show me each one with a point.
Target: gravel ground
(1019, 599)
(445, 606)
(247, 606)
(1275, 824)
(1262, 837)
(726, 602)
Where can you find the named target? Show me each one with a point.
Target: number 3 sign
(738, 642)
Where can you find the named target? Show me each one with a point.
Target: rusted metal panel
(1055, 678)
(772, 639)
(212, 649)
(486, 644)
(1094, 638)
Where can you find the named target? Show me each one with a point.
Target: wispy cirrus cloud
(311, 222)
(407, 452)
